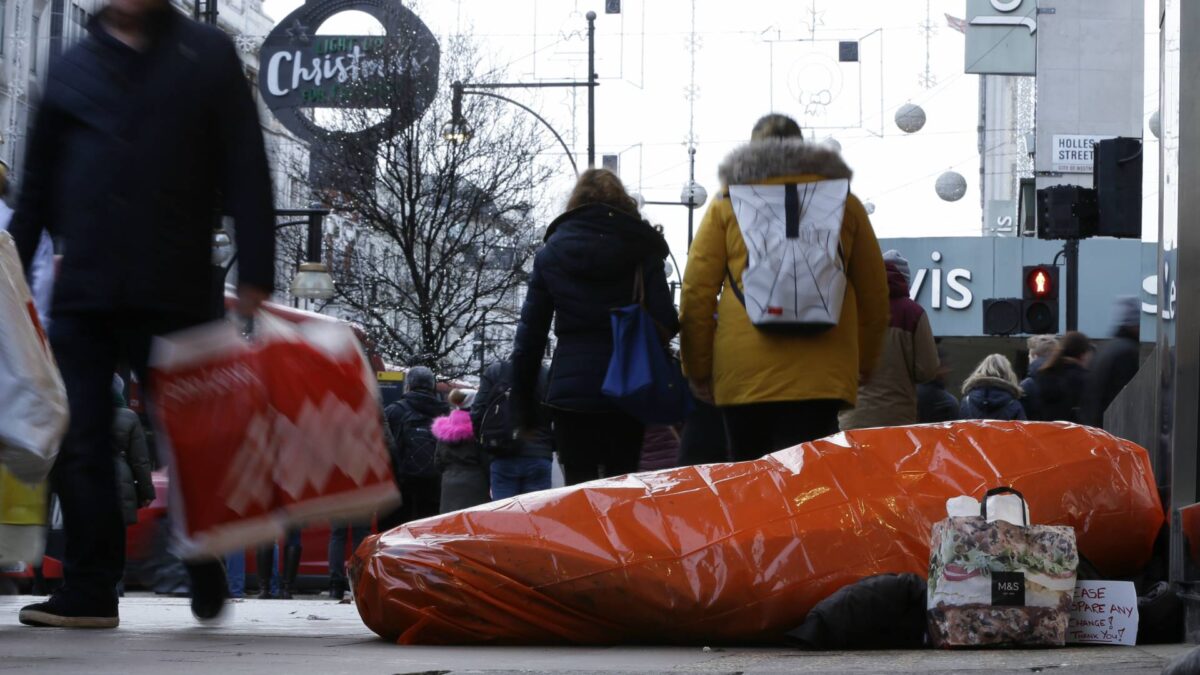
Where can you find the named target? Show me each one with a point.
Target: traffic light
(1039, 307)
(1002, 316)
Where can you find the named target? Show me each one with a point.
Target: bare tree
(437, 234)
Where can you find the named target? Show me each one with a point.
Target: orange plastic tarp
(738, 552)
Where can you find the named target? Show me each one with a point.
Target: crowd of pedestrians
(792, 322)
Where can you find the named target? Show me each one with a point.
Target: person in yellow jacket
(778, 389)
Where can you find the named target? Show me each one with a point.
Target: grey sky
(754, 56)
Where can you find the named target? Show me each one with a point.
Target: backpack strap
(737, 292)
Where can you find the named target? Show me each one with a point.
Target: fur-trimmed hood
(454, 428)
(776, 157)
(992, 382)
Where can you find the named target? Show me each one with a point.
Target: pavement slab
(159, 636)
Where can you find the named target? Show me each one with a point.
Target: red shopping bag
(332, 460)
(211, 404)
(268, 433)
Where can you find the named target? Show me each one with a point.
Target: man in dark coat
(145, 133)
(1116, 363)
(525, 466)
(410, 421)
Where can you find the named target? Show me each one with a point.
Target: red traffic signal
(1041, 282)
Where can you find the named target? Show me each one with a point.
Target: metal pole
(591, 19)
(692, 195)
(315, 220)
(1072, 255)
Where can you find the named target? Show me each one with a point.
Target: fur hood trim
(993, 382)
(454, 428)
(772, 158)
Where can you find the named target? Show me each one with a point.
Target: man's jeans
(512, 476)
(337, 548)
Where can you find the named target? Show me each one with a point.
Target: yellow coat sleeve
(702, 284)
(869, 278)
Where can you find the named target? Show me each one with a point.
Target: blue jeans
(337, 547)
(512, 476)
(235, 569)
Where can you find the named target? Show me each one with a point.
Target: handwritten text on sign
(1103, 612)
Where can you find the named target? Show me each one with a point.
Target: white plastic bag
(33, 400)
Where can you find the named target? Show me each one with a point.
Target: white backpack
(795, 276)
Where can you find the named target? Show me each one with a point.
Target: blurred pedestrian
(145, 131)
(461, 399)
(132, 457)
(1041, 348)
(1061, 380)
(1116, 363)
(462, 463)
(520, 463)
(704, 440)
(992, 392)
(286, 575)
(588, 266)
(410, 421)
(777, 389)
(660, 448)
(41, 271)
(934, 403)
(910, 357)
(338, 554)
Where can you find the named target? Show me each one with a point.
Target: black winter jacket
(935, 404)
(412, 417)
(540, 443)
(132, 156)
(1115, 365)
(585, 270)
(989, 398)
(134, 480)
(1059, 392)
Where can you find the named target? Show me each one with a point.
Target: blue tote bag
(643, 379)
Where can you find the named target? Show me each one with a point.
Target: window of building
(3, 23)
(78, 25)
(36, 53)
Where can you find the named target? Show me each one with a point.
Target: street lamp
(312, 280)
(458, 131)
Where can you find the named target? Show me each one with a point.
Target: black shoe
(68, 610)
(209, 589)
(291, 567)
(337, 590)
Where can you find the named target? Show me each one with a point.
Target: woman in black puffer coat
(585, 270)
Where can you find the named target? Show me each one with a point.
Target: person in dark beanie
(1115, 364)
(410, 421)
(146, 130)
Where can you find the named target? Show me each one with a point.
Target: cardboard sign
(1103, 612)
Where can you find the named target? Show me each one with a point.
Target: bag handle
(639, 286)
(1005, 489)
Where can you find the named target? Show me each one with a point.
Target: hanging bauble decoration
(910, 118)
(951, 186)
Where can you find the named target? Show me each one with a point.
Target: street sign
(1001, 37)
(1074, 153)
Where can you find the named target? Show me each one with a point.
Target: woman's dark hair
(1074, 345)
(601, 186)
(775, 126)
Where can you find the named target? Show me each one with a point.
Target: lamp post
(312, 280)
(457, 130)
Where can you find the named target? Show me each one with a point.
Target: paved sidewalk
(159, 636)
